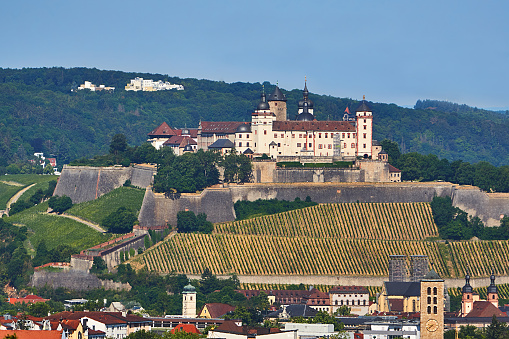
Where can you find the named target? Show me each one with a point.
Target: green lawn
(55, 230)
(97, 210)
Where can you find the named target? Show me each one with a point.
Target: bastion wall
(85, 183)
(74, 280)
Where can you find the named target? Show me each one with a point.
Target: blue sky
(391, 51)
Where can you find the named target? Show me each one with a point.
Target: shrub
(120, 221)
(60, 204)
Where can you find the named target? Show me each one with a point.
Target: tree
(60, 204)
(237, 168)
(120, 221)
(142, 334)
(343, 311)
(99, 266)
(188, 222)
(496, 330)
(118, 144)
(39, 309)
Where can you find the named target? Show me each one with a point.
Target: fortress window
(265, 132)
(364, 135)
(435, 300)
(265, 122)
(429, 290)
(434, 291)
(348, 135)
(310, 145)
(326, 135)
(319, 135)
(353, 145)
(429, 300)
(429, 309)
(247, 144)
(298, 144)
(256, 132)
(240, 136)
(364, 120)
(319, 146)
(343, 135)
(275, 135)
(330, 146)
(311, 136)
(282, 135)
(293, 135)
(279, 145)
(365, 126)
(434, 310)
(240, 144)
(364, 145)
(344, 145)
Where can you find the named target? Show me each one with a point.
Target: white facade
(393, 329)
(226, 335)
(189, 302)
(358, 302)
(117, 331)
(148, 85)
(311, 330)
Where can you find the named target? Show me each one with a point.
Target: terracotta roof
(485, 309)
(162, 131)
(393, 169)
(349, 289)
(193, 132)
(187, 141)
(326, 126)
(189, 328)
(227, 127)
(395, 305)
(30, 334)
(70, 324)
(108, 318)
(174, 140)
(28, 299)
(217, 310)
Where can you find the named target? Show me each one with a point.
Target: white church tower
(189, 302)
(364, 129)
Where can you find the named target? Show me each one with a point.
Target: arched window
(429, 309)
(429, 290)
(434, 310)
(341, 302)
(434, 291)
(435, 300)
(429, 300)
(468, 296)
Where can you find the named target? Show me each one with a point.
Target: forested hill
(38, 112)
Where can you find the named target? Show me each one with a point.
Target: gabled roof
(401, 288)
(392, 168)
(189, 328)
(164, 130)
(174, 140)
(226, 127)
(349, 289)
(485, 309)
(217, 310)
(222, 143)
(326, 126)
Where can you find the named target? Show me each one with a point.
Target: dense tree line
(188, 222)
(250, 209)
(15, 263)
(40, 113)
(415, 166)
(455, 224)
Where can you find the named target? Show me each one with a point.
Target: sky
(391, 51)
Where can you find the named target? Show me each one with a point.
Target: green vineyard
(327, 240)
(389, 221)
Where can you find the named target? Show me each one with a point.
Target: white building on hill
(148, 85)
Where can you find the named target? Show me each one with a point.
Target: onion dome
(243, 128)
(263, 105)
(277, 95)
(467, 288)
(492, 288)
(305, 94)
(189, 289)
(305, 115)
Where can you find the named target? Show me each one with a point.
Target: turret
(277, 103)
(492, 291)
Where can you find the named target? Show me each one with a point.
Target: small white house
(393, 329)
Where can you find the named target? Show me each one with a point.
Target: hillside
(328, 239)
(40, 113)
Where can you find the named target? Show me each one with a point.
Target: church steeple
(467, 297)
(492, 290)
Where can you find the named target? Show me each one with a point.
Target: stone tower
(397, 268)
(364, 129)
(189, 302)
(277, 103)
(432, 306)
(492, 291)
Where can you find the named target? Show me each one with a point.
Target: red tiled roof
(396, 305)
(103, 317)
(30, 334)
(485, 309)
(217, 310)
(174, 140)
(227, 127)
(393, 169)
(326, 126)
(28, 299)
(193, 132)
(189, 328)
(349, 289)
(162, 131)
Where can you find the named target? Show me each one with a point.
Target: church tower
(467, 297)
(277, 103)
(305, 102)
(432, 306)
(364, 128)
(189, 302)
(492, 291)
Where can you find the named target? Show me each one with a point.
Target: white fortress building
(148, 85)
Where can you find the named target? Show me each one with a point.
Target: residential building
(354, 297)
(393, 329)
(148, 85)
(230, 330)
(215, 310)
(93, 88)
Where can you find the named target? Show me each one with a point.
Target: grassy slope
(7, 191)
(55, 230)
(97, 210)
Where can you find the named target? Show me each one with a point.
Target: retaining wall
(74, 280)
(85, 183)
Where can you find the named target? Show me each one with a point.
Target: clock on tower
(432, 306)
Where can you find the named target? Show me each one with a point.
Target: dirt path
(15, 198)
(88, 223)
(11, 183)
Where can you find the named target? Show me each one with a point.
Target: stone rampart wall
(112, 256)
(489, 207)
(73, 280)
(85, 183)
